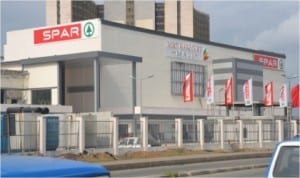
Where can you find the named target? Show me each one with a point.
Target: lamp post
(140, 98)
(289, 110)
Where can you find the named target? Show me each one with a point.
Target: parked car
(38, 166)
(135, 142)
(285, 160)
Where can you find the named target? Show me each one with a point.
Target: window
(41, 96)
(179, 70)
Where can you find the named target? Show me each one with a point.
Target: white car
(130, 142)
(285, 160)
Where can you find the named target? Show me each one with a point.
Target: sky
(266, 25)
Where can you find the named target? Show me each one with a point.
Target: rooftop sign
(183, 50)
(268, 61)
(79, 30)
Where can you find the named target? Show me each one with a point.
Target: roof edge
(115, 24)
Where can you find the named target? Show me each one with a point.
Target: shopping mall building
(98, 65)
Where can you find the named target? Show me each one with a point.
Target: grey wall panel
(222, 71)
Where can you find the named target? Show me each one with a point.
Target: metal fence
(189, 130)
(68, 133)
(26, 137)
(269, 130)
(19, 135)
(98, 134)
(161, 131)
(129, 128)
(231, 131)
(63, 132)
(212, 132)
(250, 131)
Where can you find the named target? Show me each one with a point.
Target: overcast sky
(266, 25)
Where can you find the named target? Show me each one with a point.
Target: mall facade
(97, 65)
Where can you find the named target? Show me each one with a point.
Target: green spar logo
(89, 29)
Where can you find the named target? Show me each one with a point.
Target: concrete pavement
(186, 159)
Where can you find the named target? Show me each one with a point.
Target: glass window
(41, 96)
(287, 163)
(180, 70)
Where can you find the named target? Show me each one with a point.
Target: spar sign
(80, 30)
(269, 61)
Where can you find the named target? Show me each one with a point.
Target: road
(161, 171)
(260, 172)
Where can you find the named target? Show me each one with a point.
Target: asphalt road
(161, 171)
(259, 172)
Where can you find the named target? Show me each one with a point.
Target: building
(66, 11)
(176, 17)
(101, 68)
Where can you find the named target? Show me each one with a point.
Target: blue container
(52, 133)
(4, 134)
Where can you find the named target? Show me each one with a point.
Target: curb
(133, 164)
(213, 171)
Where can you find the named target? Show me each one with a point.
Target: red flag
(188, 93)
(228, 92)
(295, 96)
(268, 99)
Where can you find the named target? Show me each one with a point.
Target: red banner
(228, 92)
(188, 93)
(295, 96)
(60, 33)
(267, 61)
(268, 99)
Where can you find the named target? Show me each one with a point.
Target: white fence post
(81, 133)
(115, 122)
(221, 122)
(179, 131)
(144, 126)
(280, 130)
(241, 134)
(294, 124)
(201, 133)
(42, 134)
(260, 133)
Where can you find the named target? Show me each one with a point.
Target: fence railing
(90, 131)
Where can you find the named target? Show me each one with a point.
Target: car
(40, 166)
(285, 160)
(135, 142)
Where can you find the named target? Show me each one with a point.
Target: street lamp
(289, 78)
(140, 98)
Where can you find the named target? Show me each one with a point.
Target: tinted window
(41, 96)
(287, 163)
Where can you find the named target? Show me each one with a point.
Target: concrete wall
(186, 18)
(115, 11)
(171, 17)
(144, 14)
(23, 41)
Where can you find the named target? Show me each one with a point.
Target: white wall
(152, 48)
(43, 76)
(23, 42)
